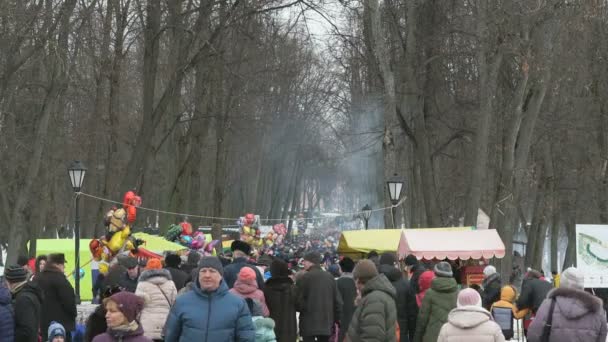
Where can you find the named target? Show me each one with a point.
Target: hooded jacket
(159, 292)
(280, 299)
(7, 323)
(59, 300)
(248, 288)
(231, 272)
(376, 316)
(122, 336)
(424, 283)
(264, 329)
(577, 317)
(27, 306)
(217, 316)
(405, 301)
(470, 324)
(507, 300)
(439, 300)
(491, 290)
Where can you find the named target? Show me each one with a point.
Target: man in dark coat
(280, 300)
(172, 264)
(533, 292)
(27, 302)
(59, 303)
(405, 301)
(7, 321)
(491, 287)
(128, 280)
(317, 300)
(415, 268)
(240, 252)
(191, 264)
(348, 293)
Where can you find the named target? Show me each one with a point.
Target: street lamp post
(395, 185)
(76, 171)
(366, 213)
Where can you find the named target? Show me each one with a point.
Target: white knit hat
(489, 270)
(468, 297)
(572, 278)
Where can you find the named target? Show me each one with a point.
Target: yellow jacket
(508, 295)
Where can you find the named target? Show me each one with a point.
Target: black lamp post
(395, 185)
(76, 171)
(366, 213)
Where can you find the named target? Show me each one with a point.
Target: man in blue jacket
(209, 313)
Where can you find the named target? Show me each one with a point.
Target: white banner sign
(592, 254)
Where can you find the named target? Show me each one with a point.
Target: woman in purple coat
(576, 316)
(122, 311)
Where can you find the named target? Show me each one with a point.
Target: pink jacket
(249, 289)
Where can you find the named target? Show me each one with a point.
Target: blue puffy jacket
(218, 316)
(7, 323)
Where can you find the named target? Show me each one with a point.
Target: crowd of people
(300, 292)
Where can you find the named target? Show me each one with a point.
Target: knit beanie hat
(365, 269)
(314, 257)
(56, 330)
(279, 268)
(211, 262)
(128, 303)
(15, 274)
(388, 259)
(247, 273)
(572, 278)
(489, 270)
(154, 264)
(173, 260)
(443, 269)
(411, 260)
(469, 297)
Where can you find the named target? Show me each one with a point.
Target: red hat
(247, 273)
(154, 264)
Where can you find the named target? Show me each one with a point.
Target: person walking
(424, 284)
(348, 293)
(27, 303)
(240, 253)
(209, 313)
(56, 332)
(96, 322)
(491, 286)
(470, 322)
(317, 300)
(375, 318)
(191, 265)
(59, 302)
(158, 292)
(438, 301)
(414, 268)
(122, 311)
(128, 280)
(7, 321)
(405, 301)
(534, 290)
(246, 286)
(172, 264)
(504, 311)
(279, 295)
(569, 313)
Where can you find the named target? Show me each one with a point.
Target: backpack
(504, 318)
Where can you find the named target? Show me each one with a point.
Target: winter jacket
(264, 329)
(158, 291)
(179, 277)
(7, 322)
(507, 300)
(424, 283)
(96, 324)
(491, 290)
(249, 289)
(470, 324)
(533, 293)
(415, 273)
(280, 299)
(407, 310)
(128, 283)
(439, 300)
(318, 301)
(577, 317)
(348, 294)
(231, 272)
(376, 315)
(27, 306)
(217, 316)
(59, 303)
(122, 336)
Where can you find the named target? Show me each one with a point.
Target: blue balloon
(81, 274)
(186, 240)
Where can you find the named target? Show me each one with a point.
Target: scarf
(126, 328)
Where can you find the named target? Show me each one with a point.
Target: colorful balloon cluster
(250, 230)
(276, 235)
(186, 236)
(118, 223)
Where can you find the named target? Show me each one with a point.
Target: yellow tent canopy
(357, 243)
(158, 244)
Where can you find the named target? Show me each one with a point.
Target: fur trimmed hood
(575, 303)
(163, 274)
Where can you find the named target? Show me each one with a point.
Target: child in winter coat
(56, 332)
(504, 311)
(264, 327)
(246, 286)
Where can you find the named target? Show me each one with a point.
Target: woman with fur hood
(158, 292)
(576, 316)
(470, 322)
